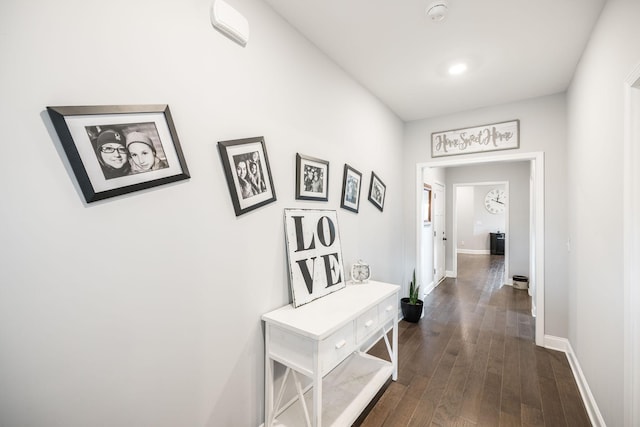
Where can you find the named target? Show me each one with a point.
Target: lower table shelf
(346, 392)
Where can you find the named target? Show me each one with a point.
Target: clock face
(495, 201)
(360, 272)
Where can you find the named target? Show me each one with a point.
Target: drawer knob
(369, 323)
(340, 344)
(389, 308)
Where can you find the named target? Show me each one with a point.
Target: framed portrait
(312, 178)
(118, 149)
(377, 191)
(351, 183)
(316, 267)
(246, 167)
(426, 204)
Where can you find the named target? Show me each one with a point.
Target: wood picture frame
(377, 191)
(248, 173)
(351, 185)
(119, 149)
(312, 178)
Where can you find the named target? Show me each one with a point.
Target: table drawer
(388, 308)
(333, 349)
(366, 324)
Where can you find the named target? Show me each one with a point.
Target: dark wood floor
(472, 361)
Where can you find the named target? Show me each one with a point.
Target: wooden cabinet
(323, 341)
(496, 243)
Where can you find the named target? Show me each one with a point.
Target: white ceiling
(518, 48)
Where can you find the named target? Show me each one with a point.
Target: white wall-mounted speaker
(230, 22)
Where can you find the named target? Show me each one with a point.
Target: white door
(439, 236)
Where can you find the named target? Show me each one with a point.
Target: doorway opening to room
(436, 171)
(480, 228)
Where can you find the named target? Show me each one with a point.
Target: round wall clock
(495, 201)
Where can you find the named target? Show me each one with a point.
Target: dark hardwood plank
(385, 406)
(406, 407)
(472, 360)
(472, 394)
(449, 407)
(431, 397)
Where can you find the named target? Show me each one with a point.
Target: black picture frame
(85, 133)
(351, 185)
(255, 188)
(312, 178)
(377, 191)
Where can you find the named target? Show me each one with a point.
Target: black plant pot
(411, 312)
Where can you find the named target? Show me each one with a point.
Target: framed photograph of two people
(119, 149)
(312, 178)
(248, 174)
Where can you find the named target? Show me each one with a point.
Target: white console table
(323, 340)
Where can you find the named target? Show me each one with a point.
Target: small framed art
(312, 178)
(118, 149)
(377, 191)
(426, 204)
(246, 167)
(351, 183)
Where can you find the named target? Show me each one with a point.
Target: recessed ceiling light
(437, 10)
(457, 68)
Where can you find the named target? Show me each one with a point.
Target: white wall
(542, 128)
(595, 153)
(144, 310)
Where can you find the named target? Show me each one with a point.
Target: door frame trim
(536, 221)
(631, 242)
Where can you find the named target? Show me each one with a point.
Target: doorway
(439, 234)
(536, 225)
(475, 227)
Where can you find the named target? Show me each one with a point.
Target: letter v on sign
(306, 275)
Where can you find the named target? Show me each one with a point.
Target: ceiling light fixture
(438, 10)
(457, 69)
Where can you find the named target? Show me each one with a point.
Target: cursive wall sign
(494, 137)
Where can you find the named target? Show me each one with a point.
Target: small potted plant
(412, 306)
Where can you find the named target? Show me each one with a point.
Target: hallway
(472, 361)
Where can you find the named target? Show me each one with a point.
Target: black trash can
(520, 282)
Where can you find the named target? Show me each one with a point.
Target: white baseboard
(474, 251)
(430, 287)
(450, 273)
(563, 344)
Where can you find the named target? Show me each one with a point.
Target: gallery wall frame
(426, 200)
(312, 178)
(118, 149)
(248, 173)
(491, 137)
(351, 184)
(377, 191)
